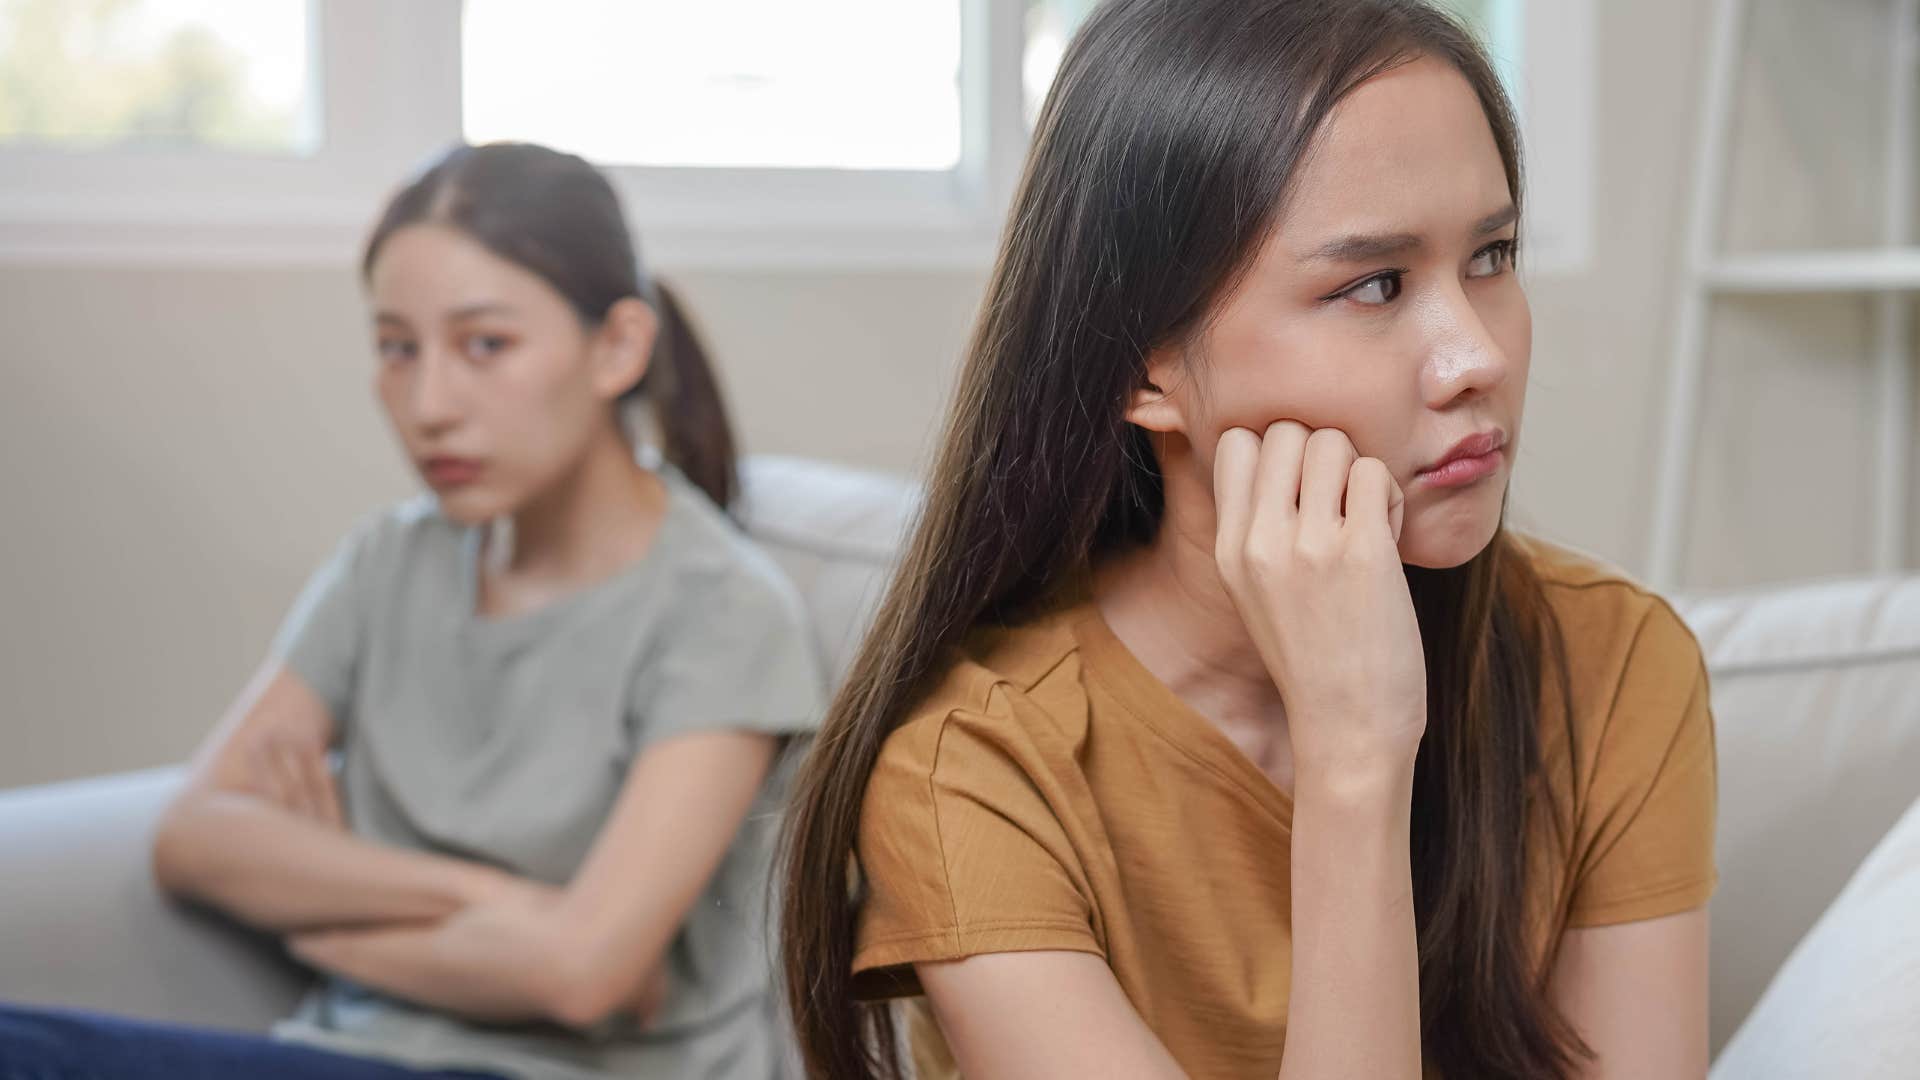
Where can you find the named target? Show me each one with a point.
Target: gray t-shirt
(506, 741)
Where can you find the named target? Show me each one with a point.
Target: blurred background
(186, 422)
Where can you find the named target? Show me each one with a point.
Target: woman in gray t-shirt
(557, 689)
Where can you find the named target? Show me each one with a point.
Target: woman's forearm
(501, 963)
(435, 967)
(1355, 1005)
(281, 872)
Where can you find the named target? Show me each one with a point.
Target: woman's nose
(1464, 357)
(433, 399)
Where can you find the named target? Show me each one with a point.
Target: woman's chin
(1446, 540)
(469, 505)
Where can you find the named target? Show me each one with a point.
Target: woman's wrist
(466, 884)
(1358, 788)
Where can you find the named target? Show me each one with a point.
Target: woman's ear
(1157, 405)
(623, 346)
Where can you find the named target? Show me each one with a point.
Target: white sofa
(1816, 691)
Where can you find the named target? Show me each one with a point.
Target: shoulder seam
(979, 705)
(939, 835)
(1673, 739)
(1613, 698)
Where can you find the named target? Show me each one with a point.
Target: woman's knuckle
(1316, 549)
(1330, 440)
(1264, 560)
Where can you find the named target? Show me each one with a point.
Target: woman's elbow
(583, 1003)
(170, 856)
(177, 854)
(585, 991)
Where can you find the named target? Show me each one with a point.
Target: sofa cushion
(1847, 1003)
(1816, 700)
(835, 531)
(82, 925)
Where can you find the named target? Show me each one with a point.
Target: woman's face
(491, 381)
(1384, 304)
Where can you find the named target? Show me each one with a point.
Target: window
(833, 84)
(1050, 24)
(739, 132)
(229, 74)
(755, 132)
(1498, 24)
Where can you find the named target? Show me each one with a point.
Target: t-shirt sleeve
(961, 853)
(742, 659)
(321, 638)
(1647, 829)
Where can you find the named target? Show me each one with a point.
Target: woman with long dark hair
(1214, 724)
(555, 686)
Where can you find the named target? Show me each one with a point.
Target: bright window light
(159, 74)
(828, 84)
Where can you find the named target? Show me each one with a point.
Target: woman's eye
(486, 346)
(395, 351)
(1376, 291)
(1492, 260)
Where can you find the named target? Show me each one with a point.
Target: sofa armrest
(83, 926)
(1816, 702)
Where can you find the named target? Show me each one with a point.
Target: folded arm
(257, 833)
(257, 830)
(581, 953)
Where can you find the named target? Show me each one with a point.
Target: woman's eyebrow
(1497, 220)
(472, 311)
(1367, 247)
(1364, 247)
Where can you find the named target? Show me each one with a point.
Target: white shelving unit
(1890, 274)
(1893, 270)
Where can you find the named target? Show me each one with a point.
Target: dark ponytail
(687, 404)
(556, 216)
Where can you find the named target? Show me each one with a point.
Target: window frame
(1558, 80)
(217, 205)
(388, 80)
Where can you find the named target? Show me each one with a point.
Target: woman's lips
(450, 472)
(1472, 459)
(1463, 471)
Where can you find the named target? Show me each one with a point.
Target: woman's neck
(1167, 603)
(594, 522)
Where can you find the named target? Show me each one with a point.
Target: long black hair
(1162, 157)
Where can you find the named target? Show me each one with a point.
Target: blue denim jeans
(53, 1044)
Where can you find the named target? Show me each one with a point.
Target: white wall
(179, 446)
(178, 449)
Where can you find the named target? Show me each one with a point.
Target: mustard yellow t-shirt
(1050, 793)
